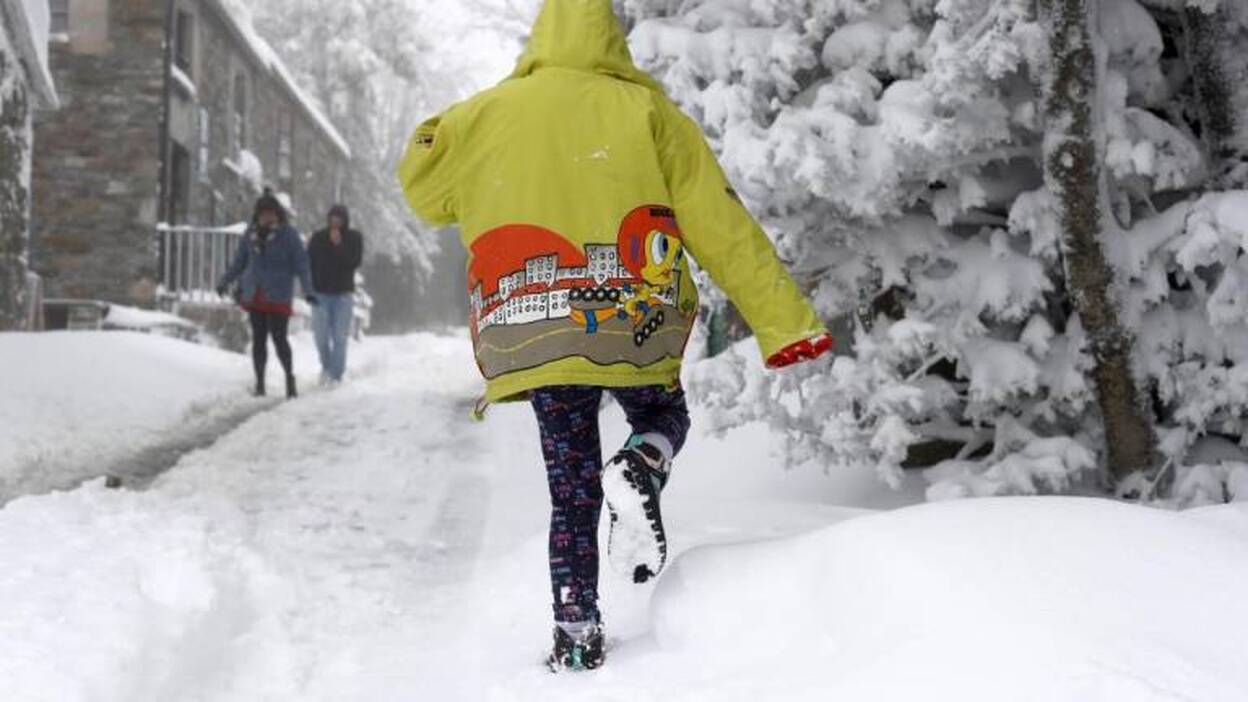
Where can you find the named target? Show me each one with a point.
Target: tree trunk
(1073, 172)
(1204, 39)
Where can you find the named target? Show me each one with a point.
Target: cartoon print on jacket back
(650, 250)
(628, 302)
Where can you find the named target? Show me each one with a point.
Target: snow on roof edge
(238, 18)
(33, 43)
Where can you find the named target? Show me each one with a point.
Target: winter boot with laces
(585, 651)
(631, 484)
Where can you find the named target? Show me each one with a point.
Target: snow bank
(135, 319)
(72, 403)
(1002, 599)
(125, 596)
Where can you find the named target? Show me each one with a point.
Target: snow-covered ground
(77, 405)
(73, 404)
(373, 543)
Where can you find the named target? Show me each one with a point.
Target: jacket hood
(584, 35)
(339, 211)
(268, 201)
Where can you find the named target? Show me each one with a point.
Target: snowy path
(368, 502)
(369, 542)
(138, 470)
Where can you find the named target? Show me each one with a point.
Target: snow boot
(585, 652)
(291, 391)
(259, 389)
(631, 483)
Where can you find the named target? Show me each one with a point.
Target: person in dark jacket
(268, 260)
(335, 252)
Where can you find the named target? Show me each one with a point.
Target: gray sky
(486, 32)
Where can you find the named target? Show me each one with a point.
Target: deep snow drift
(372, 543)
(1002, 599)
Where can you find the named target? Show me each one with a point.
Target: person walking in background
(335, 253)
(268, 260)
(578, 187)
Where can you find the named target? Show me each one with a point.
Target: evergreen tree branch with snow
(908, 158)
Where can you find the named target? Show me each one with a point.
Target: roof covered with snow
(238, 19)
(31, 20)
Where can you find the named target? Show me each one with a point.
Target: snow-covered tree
(896, 151)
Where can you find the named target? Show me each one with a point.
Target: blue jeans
(331, 323)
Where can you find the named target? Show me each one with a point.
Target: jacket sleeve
(727, 242)
(427, 173)
(242, 255)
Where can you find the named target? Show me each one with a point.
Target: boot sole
(637, 545)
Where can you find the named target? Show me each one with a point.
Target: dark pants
(568, 419)
(263, 326)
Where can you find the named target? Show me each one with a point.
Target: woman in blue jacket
(269, 258)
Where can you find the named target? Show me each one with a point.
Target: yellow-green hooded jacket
(579, 187)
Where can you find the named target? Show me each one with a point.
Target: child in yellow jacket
(579, 188)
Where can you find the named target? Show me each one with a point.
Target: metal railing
(192, 260)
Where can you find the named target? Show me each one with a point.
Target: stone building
(25, 86)
(177, 117)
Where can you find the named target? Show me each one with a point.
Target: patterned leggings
(568, 419)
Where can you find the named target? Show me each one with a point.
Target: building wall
(97, 160)
(319, 176)
(98, 189)
(14, 181)
(219, 194)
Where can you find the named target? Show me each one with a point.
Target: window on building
(60, 17)
(205, 152)
(180, 183)
(286, 147)
(240, 111)
(184, 42)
